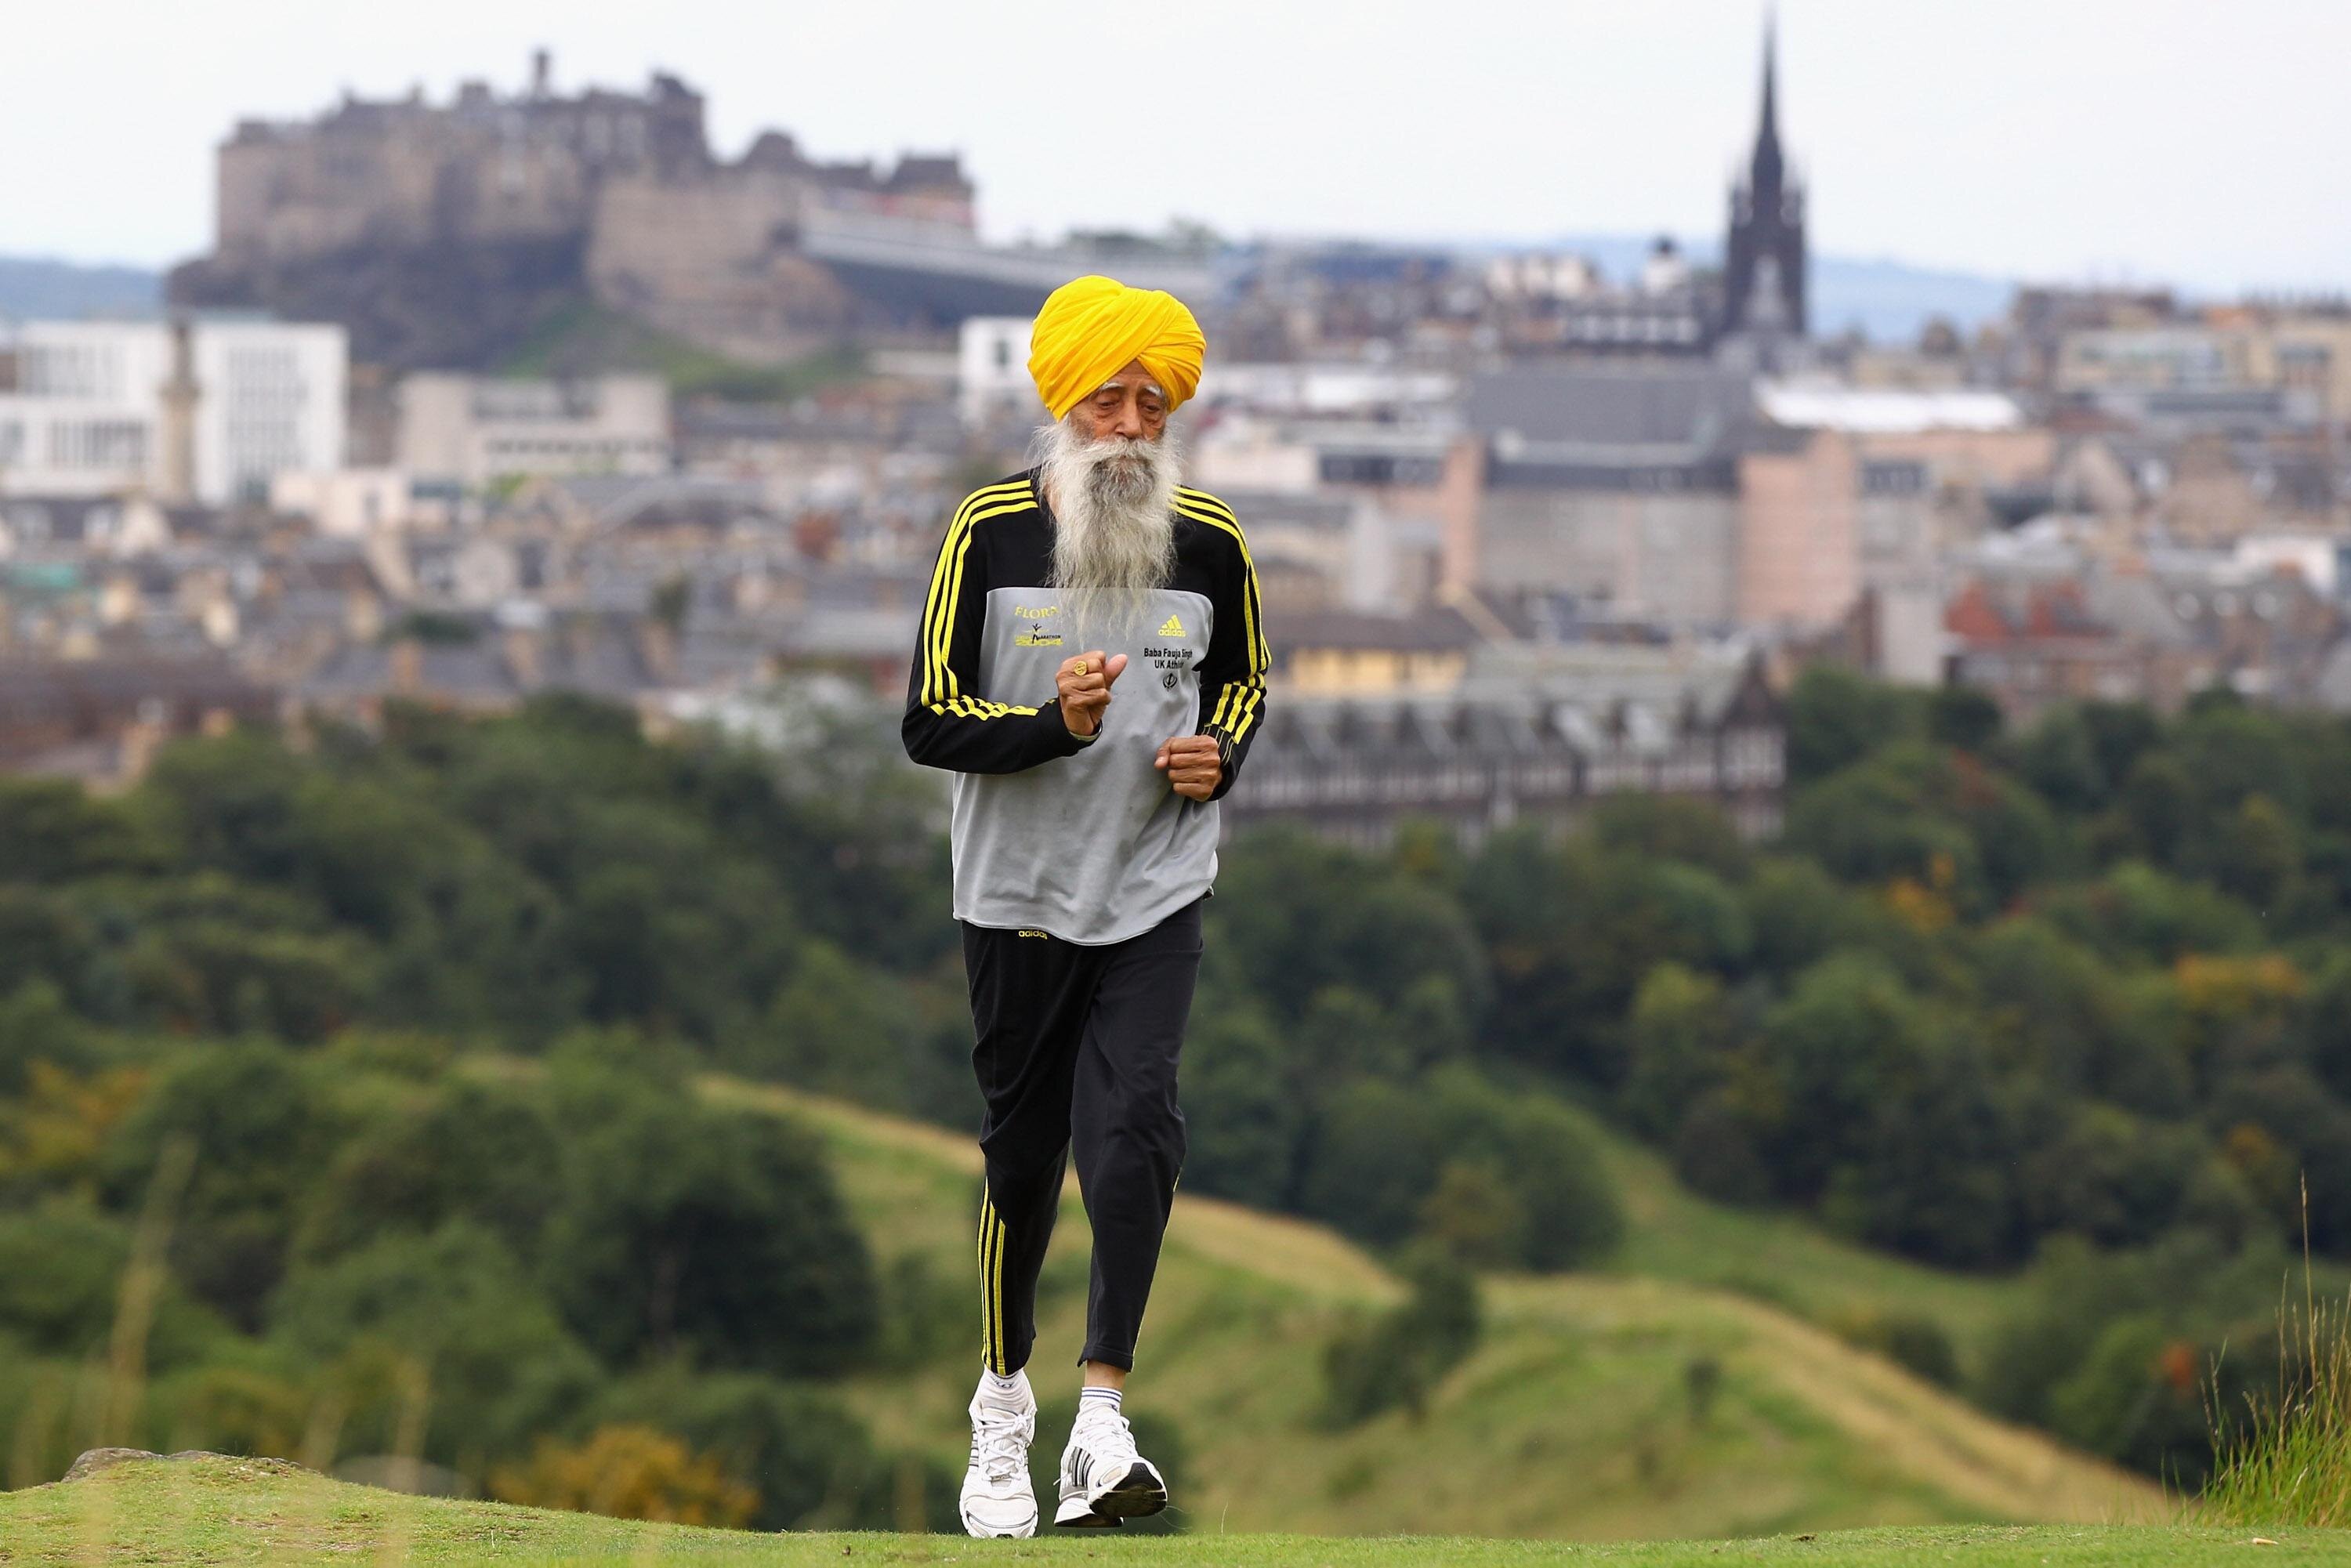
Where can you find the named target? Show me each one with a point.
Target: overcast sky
(2182, 141)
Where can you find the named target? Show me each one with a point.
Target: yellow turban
(1092, 327)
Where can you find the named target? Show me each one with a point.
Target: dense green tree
(242, 1129)
(1573, 928)
(2103, 1173)
(476, 1151)
(685, 1230)
(1929, 1172)
(496, 1364)
(54, 831)
(1243, 1120)
(1847, 1039)
(2136, 911)
(1837, 717)
(1673, 828)
(1964, 718)
(1375, 1154)
(1933, 815)
(61, 1289)
(1683, 1033)
(1297, 916)
(2059, 759)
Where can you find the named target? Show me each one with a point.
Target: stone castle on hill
(445, 234)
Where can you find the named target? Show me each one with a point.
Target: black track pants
(1077, 1046)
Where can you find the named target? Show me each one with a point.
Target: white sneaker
(1104, 1482)
(997, 1497)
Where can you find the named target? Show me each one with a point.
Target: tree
(685, 1231)
(1672, 827)
(52, 831)
(256, 1128)
(1573, 929)
(1243, 1120)
(1962, 718)
(475, 1152)
(1304, 915)
(1682, 1035)
(457, 1306)
(1911, 808)
(1375, 1153)
(1928, 1172)
(1836, 717)
(1846, 1040)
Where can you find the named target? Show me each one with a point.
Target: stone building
(1533, 734)
(444, 234)
(471, 430)
(1613, 481)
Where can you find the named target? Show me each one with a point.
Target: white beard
(1114, 524)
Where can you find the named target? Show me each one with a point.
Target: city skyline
(2044, 142)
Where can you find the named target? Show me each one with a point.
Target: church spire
(1765, 252)
(1768, 170)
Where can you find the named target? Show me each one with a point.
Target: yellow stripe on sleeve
(1236, 708)
(936, 628)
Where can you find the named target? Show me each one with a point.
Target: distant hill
(32, 288)
(1890, 300)
(1574, 1416)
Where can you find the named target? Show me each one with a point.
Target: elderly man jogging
(1091, 669)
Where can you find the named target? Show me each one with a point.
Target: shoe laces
(999, 1439)
(1105, 1435)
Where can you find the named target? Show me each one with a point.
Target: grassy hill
(217, 1510)
(1582, 1414)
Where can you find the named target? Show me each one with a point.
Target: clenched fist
(1083, 684)
(1193, 764)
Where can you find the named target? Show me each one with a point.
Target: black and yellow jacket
(1080, 838)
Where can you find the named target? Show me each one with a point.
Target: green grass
(1574, 1418)
(588, 337)
(244, 1511)
(2293, 1458)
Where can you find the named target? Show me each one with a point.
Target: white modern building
(473, 430)
(208, 410)
(992, 368)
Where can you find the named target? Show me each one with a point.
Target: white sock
(1092, 1398)
(1004, 1388)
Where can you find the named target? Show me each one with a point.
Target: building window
(1893, 479)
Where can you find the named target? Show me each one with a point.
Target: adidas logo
(1174, 628)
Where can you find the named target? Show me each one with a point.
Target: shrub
(630, 1472)
(1914, 1342)
(800, 1450)
(1399, 1357)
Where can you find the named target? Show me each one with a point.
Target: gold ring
(1081, 669)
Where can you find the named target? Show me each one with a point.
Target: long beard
(1114, 524)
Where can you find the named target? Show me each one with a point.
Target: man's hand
(1193, 764)
(1085, 684)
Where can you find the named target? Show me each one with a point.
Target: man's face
(1129, 406)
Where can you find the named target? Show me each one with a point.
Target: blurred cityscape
(521, 392)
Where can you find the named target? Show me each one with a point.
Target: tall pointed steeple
(1767, 222)
(1768, 168)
